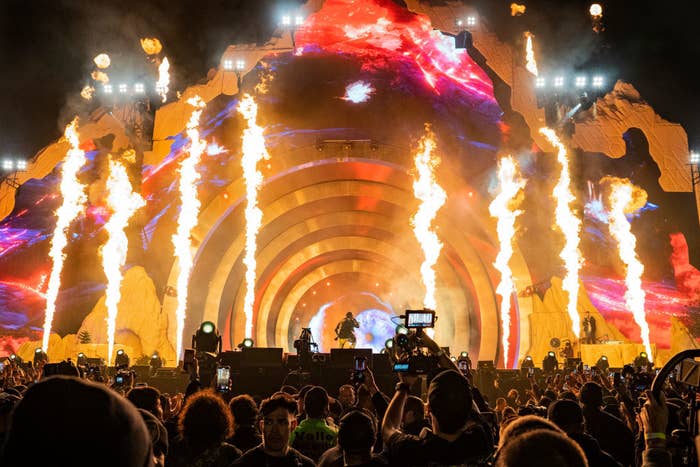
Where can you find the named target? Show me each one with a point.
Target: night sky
(47, 46)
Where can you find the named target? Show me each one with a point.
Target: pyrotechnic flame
(570, 226)
(358, 92)
(503, 209)
(74, 198)
(189, 212)
(100, 76)
(596, 10)
(253, 152)
(102, 61)
(123, 203)
(432, 197)
(163, 79)
(621, 200)
(87, 93)
(530, 55)
(151, 45)
(516, 10)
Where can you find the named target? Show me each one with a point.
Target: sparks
(123, 203)
(151, 45)
(163, 79)
(621, 197)
(357, 92)
(87, 92)
(253, 152)
(570, 226)
(102, 61)
(531, 64)
(189, 212)
(74, 199)
(432, 197)
(503, 209)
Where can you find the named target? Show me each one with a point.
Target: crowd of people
(572, 418)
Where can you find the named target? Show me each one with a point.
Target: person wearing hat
(568, 416)
(345, 331)
(63, 420)
(614, 436)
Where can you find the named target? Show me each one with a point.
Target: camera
(223, 377)
(410, 351)
(124, 377)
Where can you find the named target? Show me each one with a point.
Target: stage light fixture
(40, 356)
(107, 89)
(464, 354)
(7, 165)
(122, 360)
(122, 88)
(597, 82)
(558, 81)
(299, 20)
(156, 361)
(550, 363)
(453, 358)
(540, 82)
(286, 20)
(389, 344)
(21, 165)
(527, 362)
(82, 359)
(228, 64)
(602, 364)
(207, 339)
(694, 158)
(247, 343)
(240, 65)
(471, 20)
(580, 81)
(139, 88)
(401, 329)
(459, 23)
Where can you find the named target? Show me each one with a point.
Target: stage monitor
(231, 359)
(483, 365)
(345, 358)
(261, 357)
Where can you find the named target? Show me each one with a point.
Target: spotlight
(82, 359)
(602, 364)
(21, 165)
(299, 20)
(694, 158)
(122, 360)
(240, 65)
(228, 64)
(7, 165)
(464, 355)
(459, 23)
(401, 329)
(580, 81)
(540, 82)
(139, 88)
(471, 21)
(206, 339)
(122, 88)
(156, 362)
(246, 344)
(286, 20)
(107, 89)
(40, 356)
(389, 344)
(550, 363)
(558, 81)
(527, 362)
(597, 82)
(453, 358)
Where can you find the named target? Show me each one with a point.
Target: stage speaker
(345, 358)
(142, 373)
(572, 362)
(231, 359)
(261, 357)
(485, 365)
(169, 380)
(291, 361)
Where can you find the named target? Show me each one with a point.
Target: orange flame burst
(102, 61)
(622, 196)
(503, 209)
(189, 212)
(432, 197)
(531, 64)
(123, 203)
(163, 79)
(74, 199)
(151, 45)
(570, 226)
(253, 152)
(516, 10)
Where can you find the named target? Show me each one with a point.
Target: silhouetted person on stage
(345, 331)
(568, 350)
(589, 329)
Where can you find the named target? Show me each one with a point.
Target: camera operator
(455, 438)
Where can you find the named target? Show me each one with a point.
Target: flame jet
(432, 198)
(74, 199)
(503, 209)
(570, 226)
(621, 197)
(531, 64)
(189, 212)
(253, 152)
(123, 203)
(163, 79)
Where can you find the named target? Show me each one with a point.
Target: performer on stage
(589, 329)
(345, 331)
